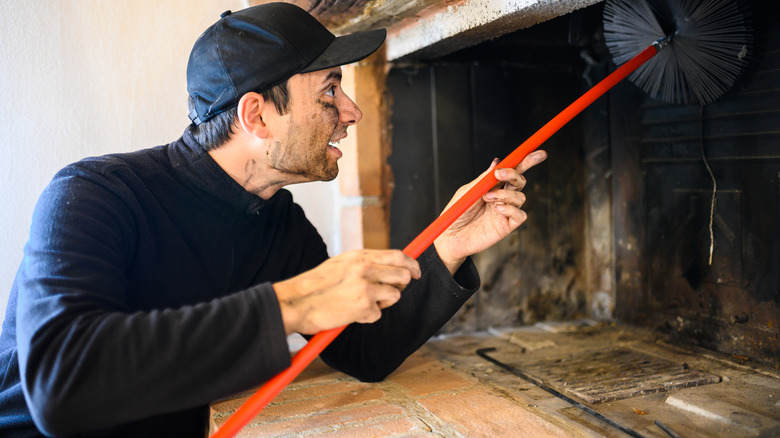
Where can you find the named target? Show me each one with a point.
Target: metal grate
(604, 375)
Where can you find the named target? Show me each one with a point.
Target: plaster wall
(88, 77)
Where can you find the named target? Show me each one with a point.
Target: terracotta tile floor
(424, 397)
(447, 390)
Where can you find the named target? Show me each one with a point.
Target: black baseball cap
(259, 47)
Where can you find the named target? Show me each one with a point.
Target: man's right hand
(351, 287)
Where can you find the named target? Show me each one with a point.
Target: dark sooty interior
(619, 215)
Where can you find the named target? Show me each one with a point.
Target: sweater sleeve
(87, 362)
(370, 352)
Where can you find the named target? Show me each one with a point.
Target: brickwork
(424, 397)
(364, 175)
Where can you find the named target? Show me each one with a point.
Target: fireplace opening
(618, 228)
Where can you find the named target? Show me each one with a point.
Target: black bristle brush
(708, 45)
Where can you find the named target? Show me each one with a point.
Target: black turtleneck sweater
(145, 293)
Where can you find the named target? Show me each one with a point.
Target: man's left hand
(491, 218)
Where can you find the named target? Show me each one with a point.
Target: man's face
(305, 142)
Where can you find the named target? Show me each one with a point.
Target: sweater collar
(196, 167)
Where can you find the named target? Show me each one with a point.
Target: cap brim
(347, 49)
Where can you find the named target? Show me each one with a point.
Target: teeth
(333, 144)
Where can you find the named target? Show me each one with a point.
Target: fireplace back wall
(451, 118)
(618, 215)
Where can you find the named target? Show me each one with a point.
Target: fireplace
(619, 215)
(603, 315)
(622, 227)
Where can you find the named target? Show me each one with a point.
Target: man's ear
(251, 110)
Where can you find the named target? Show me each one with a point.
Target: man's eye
(331, 91)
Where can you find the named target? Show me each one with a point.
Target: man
(157, 281)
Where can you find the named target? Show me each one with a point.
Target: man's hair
(279, 96)
(216, 131)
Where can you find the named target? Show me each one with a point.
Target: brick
(419, 358)
(279, 411)
(324, 422)
(396, 426)
(316, 391)
(317, 371)
(301, 407)
(482, 413)
(421, 376)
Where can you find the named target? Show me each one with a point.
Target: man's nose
(349, 113)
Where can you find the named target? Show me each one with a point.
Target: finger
(372, 316)
(512, 179)
(392, 258)
(531, 160)
(510, 197)
(379, 296)
(393, 276)
(465, 188)
(515, 216)
(385, 296)
(482, 175)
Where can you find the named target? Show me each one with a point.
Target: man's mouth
(333, 145)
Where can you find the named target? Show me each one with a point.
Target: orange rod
(253, 405)
(421, 242)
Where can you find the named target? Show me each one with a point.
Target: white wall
(88, 77)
